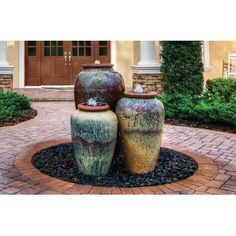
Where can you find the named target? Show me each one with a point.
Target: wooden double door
(58, 62)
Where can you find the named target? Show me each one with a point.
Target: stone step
(47, 94)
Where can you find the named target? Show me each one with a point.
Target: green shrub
(205, 108)
(182, 67)
(12, 105)
(224, 88)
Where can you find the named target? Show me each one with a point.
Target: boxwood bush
(182, 67)
(224, 88)
(13, 105)
(206, 108)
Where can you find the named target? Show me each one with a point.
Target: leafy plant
(224, 88)
(182, 67)
(206, 108)
(13, 105)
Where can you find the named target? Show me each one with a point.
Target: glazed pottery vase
(99, 81)
(94, 132)
(141, 120)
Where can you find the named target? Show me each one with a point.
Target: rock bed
(58, 161)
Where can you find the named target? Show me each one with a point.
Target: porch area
(47, 94)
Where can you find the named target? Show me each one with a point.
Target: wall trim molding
(113, 53)
(206, 56)
(21, 64)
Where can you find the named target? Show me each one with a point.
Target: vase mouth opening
(94, 66)
(144, 95)
(100, 106)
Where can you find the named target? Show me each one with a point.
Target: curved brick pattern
(214, 151)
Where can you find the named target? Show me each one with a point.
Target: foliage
(224, 88)
(12, 105)
(206, 108)
(182, 67)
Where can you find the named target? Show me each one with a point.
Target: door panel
(54, 67)
(82, 52)
(103, 51)
(32, 65)
(59, 62)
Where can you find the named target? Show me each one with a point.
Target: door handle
(65, 58)
(69, 58)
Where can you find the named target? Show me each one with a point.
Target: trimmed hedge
(206, 108)
(224, 88)
(13, 105)
(182, 67)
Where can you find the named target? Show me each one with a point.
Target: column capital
(6, 69)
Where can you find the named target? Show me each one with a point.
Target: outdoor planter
(101, 82)
(141, 119)
(94, 131)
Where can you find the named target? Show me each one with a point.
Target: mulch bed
(59, 162)
(195, 124)
(30, 114)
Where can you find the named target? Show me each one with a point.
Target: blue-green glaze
(94, 140)
(140, 124)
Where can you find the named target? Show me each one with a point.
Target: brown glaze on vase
(100, 82)
(141, 120)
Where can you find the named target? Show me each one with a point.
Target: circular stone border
(59, 162)
(206, 172)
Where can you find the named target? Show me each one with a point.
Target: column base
(6, 69)
(146, 68)
(6, 82)
(150, 82)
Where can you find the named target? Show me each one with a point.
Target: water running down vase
(94, 132)
(99, 81)
(141, 120)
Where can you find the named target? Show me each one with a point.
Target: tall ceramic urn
(141, 120)
(94, 132)
(100, 82)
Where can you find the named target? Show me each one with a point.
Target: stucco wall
(13, 59)
(218, 52)
(125, 59)
(127, 54)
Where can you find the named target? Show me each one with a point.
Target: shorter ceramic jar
(141, 119)
(94, 132)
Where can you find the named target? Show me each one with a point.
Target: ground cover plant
(14, 108)
(216, 107)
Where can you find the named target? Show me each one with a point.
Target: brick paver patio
(214, 151)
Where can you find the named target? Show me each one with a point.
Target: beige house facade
(133, 59)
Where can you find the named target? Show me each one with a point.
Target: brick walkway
(214, 151)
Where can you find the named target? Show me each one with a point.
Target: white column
(148, 63)
(5, 67)
(206, 56)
